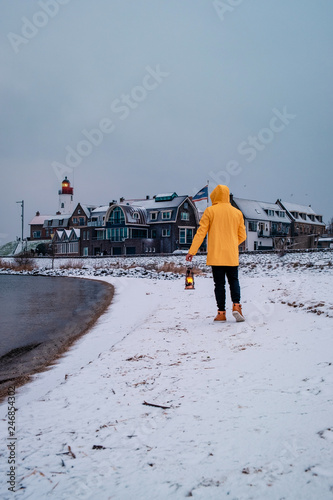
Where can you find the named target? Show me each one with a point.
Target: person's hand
(189, 257)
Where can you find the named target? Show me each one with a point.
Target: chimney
(37, 213)
(121, 199)
(147, 197)
(58, 213)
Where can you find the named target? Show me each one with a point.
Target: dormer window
(153, 215)
(135, 215)
(117, 216)
(166, 215)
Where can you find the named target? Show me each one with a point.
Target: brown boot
(237, 312)
(220, 316)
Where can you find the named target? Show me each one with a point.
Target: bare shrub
(23, 262)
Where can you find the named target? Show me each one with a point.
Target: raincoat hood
(220, 194)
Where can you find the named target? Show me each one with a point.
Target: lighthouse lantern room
(66, 197)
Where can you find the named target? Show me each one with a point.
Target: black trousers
(219, 274)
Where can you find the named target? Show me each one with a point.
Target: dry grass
(72, 264)
(19, 263)
(171, 267)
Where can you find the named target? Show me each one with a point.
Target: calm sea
(38, 309)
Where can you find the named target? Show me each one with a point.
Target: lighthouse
(66, 197)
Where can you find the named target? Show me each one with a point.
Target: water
(39, 315)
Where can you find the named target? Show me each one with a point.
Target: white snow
(249, 404)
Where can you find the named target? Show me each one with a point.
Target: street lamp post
(22, 217)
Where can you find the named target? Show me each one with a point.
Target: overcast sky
(137, 97)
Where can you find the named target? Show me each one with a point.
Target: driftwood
(156, 406)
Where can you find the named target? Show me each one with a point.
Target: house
(66, 242)
(161, 224)
(306, 225)
(81, 215)
(267, 225)
(325, 242)
(38, 229)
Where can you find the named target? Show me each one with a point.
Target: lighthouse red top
(66, 187)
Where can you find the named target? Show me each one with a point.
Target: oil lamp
(189, 279)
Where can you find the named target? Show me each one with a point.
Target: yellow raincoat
(225, 226)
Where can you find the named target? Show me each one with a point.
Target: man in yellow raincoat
(226, 231)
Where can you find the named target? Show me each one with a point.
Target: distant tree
(330, 226)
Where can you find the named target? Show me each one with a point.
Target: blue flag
(201, 195)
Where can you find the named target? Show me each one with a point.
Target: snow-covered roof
(76, 232)
(55, 221)
(40, 219)
(88, 209)
(302, 209)
(130, 210)
(152, 204)
(65, 234)
(257, 210)
(99, 210)
(294, 207)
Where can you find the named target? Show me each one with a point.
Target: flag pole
(207, 192)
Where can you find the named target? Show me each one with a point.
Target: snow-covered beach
(243, 410)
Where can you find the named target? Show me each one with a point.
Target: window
(139, 233)
(130, 250)
(153, 233)
(85, 251)
(81, 221)
(135, 215)
(36, 234)
(117, 233)
(61, 248)
(100, 234)
(79, 211)
(62, 205)
(186, 205)
(74, 220)
(61, 222)
(117, 216)
(49, 222)
(270, 212)
(253, 225)
(165, 233)
(185, 235)
(153, 215)
(73, 247)
(282, 214)
(166, 215)
(185, 216)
